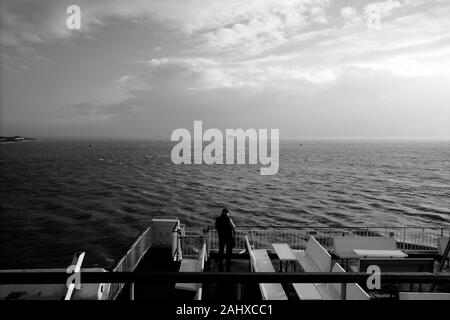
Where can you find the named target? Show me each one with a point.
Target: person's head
(225, 212)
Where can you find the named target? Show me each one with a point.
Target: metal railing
(130, 260)
(221, 277)
(191, 243)
(407, 238)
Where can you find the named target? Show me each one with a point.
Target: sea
(61, 196)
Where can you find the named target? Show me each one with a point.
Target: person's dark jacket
(225, 228)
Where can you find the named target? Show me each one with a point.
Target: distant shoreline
(15, 139)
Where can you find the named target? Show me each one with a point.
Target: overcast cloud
(312, 68)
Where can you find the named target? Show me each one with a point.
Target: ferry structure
(168, 260)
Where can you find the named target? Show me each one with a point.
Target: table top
(307, 291)
(283, 251)
(380, 253)
(346, 254)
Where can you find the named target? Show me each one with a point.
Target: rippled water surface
(58, 197)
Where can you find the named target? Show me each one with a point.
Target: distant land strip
(15, 139)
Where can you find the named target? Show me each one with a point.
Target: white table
(379, 253)
(307, 291)
(284, 253)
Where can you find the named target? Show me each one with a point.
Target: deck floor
(227, 292)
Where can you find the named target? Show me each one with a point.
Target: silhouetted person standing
(226, 230)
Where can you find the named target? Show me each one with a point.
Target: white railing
(408, 238)
(131, 259)
(191, 243)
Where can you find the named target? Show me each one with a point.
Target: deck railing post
(329, 237)
(343, 291)
(132, 291)
(207, 240)
(404, 238)
(423, 235)
(239, 291)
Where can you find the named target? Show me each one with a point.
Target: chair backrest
(200, 267)
(442, 243)
(247, 244)
(399, 265)
(198, 296)
(354, 290)
(348, 243)
(260, 262)
(272, 291)
(318, 254)
(201, 259)
(250, 253)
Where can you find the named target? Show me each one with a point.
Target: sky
(310, 68)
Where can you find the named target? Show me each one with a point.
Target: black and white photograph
(231, 158)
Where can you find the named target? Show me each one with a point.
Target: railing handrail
(135, 242)
(407, 238)
(295, 227)
(214, 277)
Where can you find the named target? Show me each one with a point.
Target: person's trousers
(229, 248)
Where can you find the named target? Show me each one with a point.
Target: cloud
(374, 12)
(313, 58)
(207, 74)
(430, 64)
(252, 29)
(349, 13)
(131, 83)
(187, 73)
(319, 15)
(97, 111)
(243, 44)
(26, 22)
(383, 9)
(256, 24)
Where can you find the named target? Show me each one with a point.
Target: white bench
(307, 291)
(344, 245)
(423, 296)
(260, 262)
(193, 265)
(315, 258)
(332, 291)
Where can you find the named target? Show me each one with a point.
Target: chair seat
(327, 291)
(305, 261)
(346, 254)
(272, 291)
(262, 261)
(188, 265)
(307, 291)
